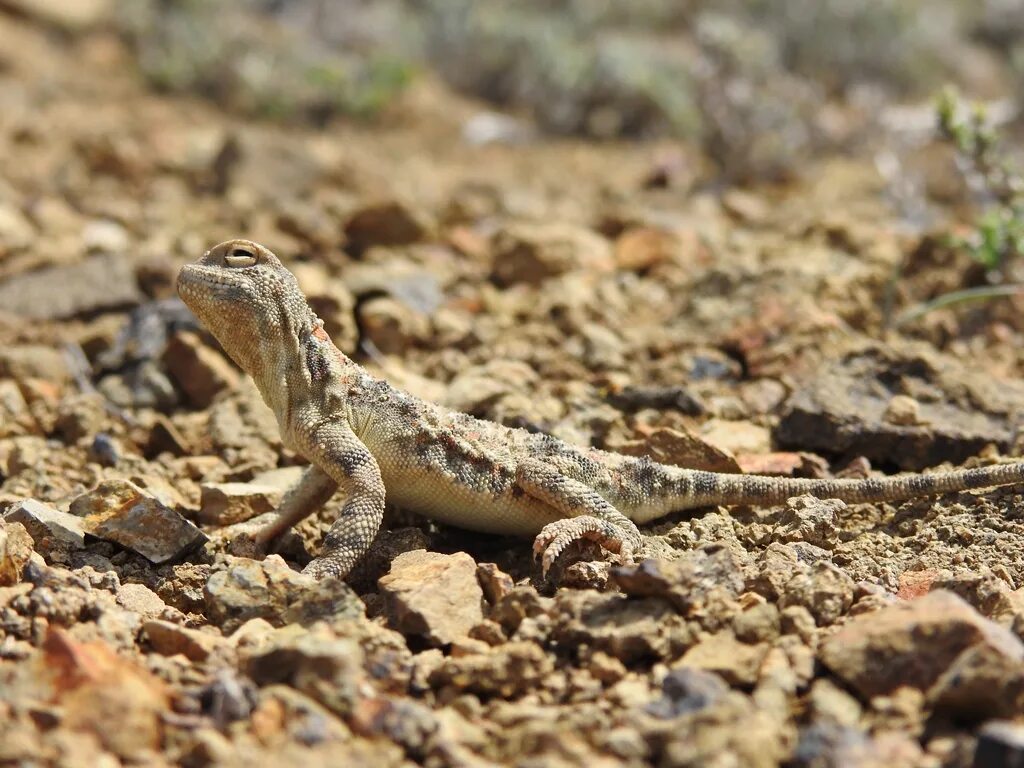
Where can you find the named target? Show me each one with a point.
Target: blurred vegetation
(998, 233)
(264, 57)
(750, 80)
(995, 239)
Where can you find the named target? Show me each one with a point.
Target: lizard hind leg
(588, 515)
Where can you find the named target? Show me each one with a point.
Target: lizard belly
(450, 502)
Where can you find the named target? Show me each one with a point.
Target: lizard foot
(556, 536)
(323, 567)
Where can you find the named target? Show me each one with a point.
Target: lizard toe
(556, 536)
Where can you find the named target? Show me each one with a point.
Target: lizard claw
(556, 536)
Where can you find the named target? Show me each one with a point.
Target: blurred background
(418, 160)
(757, 85)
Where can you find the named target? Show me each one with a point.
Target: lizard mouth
(197, 283)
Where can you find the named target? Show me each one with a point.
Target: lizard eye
(240, 257)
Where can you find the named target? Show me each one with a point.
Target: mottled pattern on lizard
(376, 443)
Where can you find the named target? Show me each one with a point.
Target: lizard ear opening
(240, 257)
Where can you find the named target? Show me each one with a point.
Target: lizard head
(247, 299)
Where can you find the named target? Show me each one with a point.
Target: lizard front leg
(588, 515)
(336, 450)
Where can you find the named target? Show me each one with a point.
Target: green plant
(996, 237)
(998, 233)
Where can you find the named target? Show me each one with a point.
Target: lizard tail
(709, 488)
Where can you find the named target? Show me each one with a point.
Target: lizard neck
(281, 369)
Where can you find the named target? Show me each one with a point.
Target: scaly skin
(375, 442)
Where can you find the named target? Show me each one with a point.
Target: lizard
(376, 443)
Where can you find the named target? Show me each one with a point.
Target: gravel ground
(599, 292)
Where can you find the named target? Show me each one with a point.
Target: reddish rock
(433, 595)
(120, 511)
(106, 695)
(199, 371)
(938, 644)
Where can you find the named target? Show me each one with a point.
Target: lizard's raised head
(247, 299)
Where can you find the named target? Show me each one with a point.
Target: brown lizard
(377, 443)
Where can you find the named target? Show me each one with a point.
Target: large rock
(965, 663)
(120, 511)
(433, 595)
(846, 409)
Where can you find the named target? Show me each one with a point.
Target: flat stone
(679, 448)
(41, 520)
(433, 595)
(97, 283)
(843, 410)
(121, 512)
(736, 436)
(229, 503)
